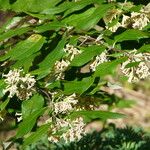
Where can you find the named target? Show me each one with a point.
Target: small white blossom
(66, 105)
(13, 89)
(137, 20)
(69, 28)
(140, 20)
(99, 60)
(19, 84)
(60, 67)
(19, 116)
(141, 70)
(146, 9)
(72, 51)
(125, 21)
(74, 130)
(114, 28)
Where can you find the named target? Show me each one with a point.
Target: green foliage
(66, 50)
(110, 138)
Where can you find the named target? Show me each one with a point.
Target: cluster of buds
(99, 60)
(19, 84)
(141, 68)
(74, 130)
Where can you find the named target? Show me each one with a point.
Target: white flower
(13, 76)
(19, 84)
(139, 71)
(99, 60)
(13, 89)
(66, 105)
(146, 9)
(137, 20)
(60, 67)
(19, 116)
(125, 21)
(72, 51)
(140, 20)
(74, 130)
(114, 28)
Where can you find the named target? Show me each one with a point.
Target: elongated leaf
(33, 5)
(14, 32)
(78, 6)
(49, 26)
(76, 19)
(90, 21)
(107, 67)
(4, 104)
(34, 137)
(145, 48)
(46, 65)
(87, 55)
(131, 34)
(2, 86)
(28, 123)
(55, 10)
(25, 48)
(91, 115)
(32, 105)
(78, 86)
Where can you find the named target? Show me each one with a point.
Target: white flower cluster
(19, 85)
(66, 105)
(61, 66)
(74, 130)
(99, 60)
(72, 51)
(137, 20)
(139, 71)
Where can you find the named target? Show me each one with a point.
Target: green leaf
(132, 64)
(131, 34)
(78, 6)
(46, 65)
(26, 63)
(76, 19)
(125, 103)
(78, 86)
(28, 123)
(4, 4)
(108, 67)
(87, 55)
(2, 87)
(145, 48)
(55, 10)
(90, 21)
(49, 26)
(4, 104)
(95, 114)
(34, 137)
(25, 48)
(32, 105)
(33, 5)
(13, 32)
